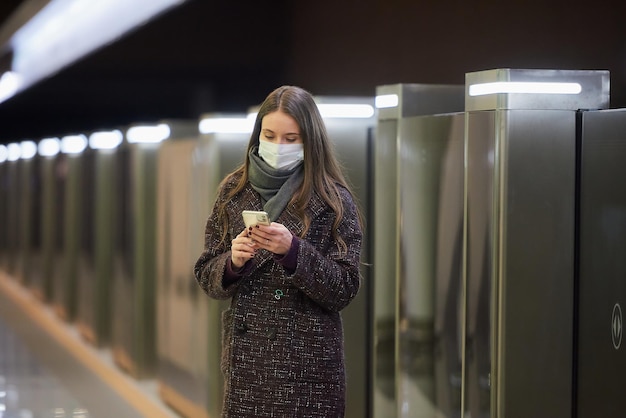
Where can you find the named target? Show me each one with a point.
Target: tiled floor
(47, 372)
(27, 387)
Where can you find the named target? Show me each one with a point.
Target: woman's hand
(242, 249)
(275, 237)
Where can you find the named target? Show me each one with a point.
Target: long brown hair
(322, 171)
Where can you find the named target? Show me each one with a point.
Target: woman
(282, 348)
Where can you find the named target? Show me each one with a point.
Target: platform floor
(48, 371)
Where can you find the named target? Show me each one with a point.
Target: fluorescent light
(148, 133)
(49, 147)
(4, 153)
(28, 150)
(226, 125)
(346, 110)
(105, 139)
(66, 30)
(73, 144)
(10, 83)
(14, 151)
(386, 100)
(524, 87)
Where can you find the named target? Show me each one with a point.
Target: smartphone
(255, 217)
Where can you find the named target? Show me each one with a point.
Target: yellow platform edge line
(119, 382)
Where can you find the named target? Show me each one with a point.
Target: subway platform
(48, 371)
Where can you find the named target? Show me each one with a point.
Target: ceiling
(199, 57)
(218, 56)
(7, 7)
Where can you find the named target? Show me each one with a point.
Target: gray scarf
(276, 187)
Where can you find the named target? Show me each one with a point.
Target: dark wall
(351, 45)
(225, 56)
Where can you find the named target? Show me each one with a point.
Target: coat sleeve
(332, 280)
(211, 265)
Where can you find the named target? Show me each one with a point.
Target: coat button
(241, 328)
(271, 333)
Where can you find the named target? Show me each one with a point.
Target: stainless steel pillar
(30, 219)
(98, 267)
(350, 122)
(189, 375)
(42, 280)
(134, 292)
(178, 333)
(4, 208)
(601, 293)
(411, 150)
(520, 195)
(12, 194)
(76, 213)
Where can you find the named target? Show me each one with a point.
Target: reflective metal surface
(91, 296)
(12, 216)
(385, 258)
(177, 315)
(403, 319)
(134, 283)
(528, 89)
(216, 154)
(521, 185)
(5, 185)
(480, 205)
(430, 178)
(30, 220)
(520, 230)
(601, 360)
(41, 284)
(72, 177)
(353, 140)
(98, 271)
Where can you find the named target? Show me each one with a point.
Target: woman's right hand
(242, 249)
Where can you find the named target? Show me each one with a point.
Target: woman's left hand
(275, 237)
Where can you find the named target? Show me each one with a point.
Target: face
(280, 128)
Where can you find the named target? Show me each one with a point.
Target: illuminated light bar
(4, 153)
(105, 139)
(386, 100)
(226, 125)
(49, 147)
(346, 110)
(148, 134)
(524, 87)
(28, 150)
(64, 31)
(73, 144)
(15, 151)
(10, 83)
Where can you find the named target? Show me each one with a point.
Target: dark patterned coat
(283, 357)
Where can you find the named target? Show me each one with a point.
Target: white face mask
(281, 156)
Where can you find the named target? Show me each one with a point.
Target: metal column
(601, 293)
(410, 150)
(520, 195)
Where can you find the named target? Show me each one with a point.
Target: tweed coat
(282, 336)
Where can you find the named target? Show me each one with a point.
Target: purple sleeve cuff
(231, 274)
(289, 261)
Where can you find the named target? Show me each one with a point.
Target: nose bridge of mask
(288, 149)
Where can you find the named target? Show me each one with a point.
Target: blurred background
(200, 56)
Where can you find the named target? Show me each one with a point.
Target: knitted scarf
(276, 187)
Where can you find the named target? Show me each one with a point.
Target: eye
(268, 137)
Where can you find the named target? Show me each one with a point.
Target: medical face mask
(281, 156)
